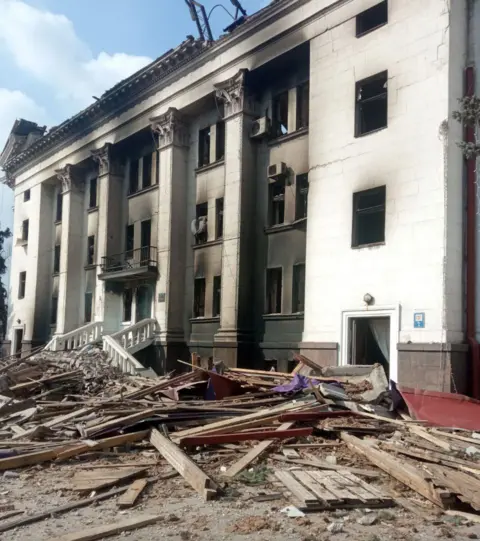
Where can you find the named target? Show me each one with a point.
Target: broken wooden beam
(184, 465)
(128, 498)
(215, 439)
(306, 416)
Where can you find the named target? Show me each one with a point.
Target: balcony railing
(139, 258)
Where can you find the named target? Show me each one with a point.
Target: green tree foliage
(5, 234)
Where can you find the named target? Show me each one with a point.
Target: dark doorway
(369, 341)
(143, 299)
(18, 342)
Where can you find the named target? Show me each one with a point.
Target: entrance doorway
(143, 302)
(369, 341)
(18, 342)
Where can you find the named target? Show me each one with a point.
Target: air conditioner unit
(260, 128)
(277, 171)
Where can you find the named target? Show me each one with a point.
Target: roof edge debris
(131, 87)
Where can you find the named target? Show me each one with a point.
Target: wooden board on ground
(100, 532)
(317, 490)
(102, 478)
(128, 498)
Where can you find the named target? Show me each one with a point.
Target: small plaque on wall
(419, 320)
(161, 297)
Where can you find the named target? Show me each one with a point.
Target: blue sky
(56, 54)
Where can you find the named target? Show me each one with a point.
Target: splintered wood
(315, 491)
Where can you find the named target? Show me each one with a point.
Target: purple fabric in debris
(297, 384)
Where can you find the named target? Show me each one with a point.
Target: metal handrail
(130, 259)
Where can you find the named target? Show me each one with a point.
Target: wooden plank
(290, 453)
(422, 433)
(327, 479)
(215, 439)
(119, 422)
(312, 484)
(375, 493)
(184, 465)
(255, 452)
(30, 459)
(356, 488)
(404, 473)
(50, 379)
(456, 436)
(97, 479)
(296, 488)
(100, 532)
(105, 443)
(128, 498)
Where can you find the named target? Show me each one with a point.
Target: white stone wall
(412, 270)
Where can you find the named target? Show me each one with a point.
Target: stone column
(108, 300)
(172, 143)
(72, 249)
(234, 340)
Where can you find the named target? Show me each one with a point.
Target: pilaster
(172, 136)
(71, 248)
(108, 304)
(234, 340)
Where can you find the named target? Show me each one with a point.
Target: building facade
(296, 185)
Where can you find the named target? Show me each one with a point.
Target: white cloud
(46, 46)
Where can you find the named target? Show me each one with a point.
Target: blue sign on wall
(419, 320)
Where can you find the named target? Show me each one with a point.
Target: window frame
(269, 275)
(366, 12)
(204, 146)
(364, 211)
(134, 179)
(59, 208)
(91, 250)
(276, 116)
(298, 295)
(22, 284)
(301, 200)
(127, 296)
(360, 102)
(196, 297)
(220, 140)
(219, 218)
(54, 310)
(147, 159)
(88, 294)
(274, 207)
(300, 113)
(25, 230)
(93, 193)
(56, 258)
(217, 296)
(26, 195)
(129, 241)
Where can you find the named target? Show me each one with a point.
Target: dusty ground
(185, 516)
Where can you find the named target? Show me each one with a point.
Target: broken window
(92, 199)
(369, 217)
(274, 291)
(298, 293)
(372, 18)
(201, 235)
(280, 114)
(217, 295)
(371, 104)
(277, 202)
(25, 230)
(301, 196)
(22, 284)
(129, 241)
(219, 218)
(147, 171)
(127, 304)
(134, 174)
(88, 307)
(204, 147)
(58, 217)
(91, 250)
(56, 259)
(199, 297)
(53, 313)
(26, 195)
(220, 141)
(303, 93)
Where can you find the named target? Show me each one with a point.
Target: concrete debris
(368, 520)
(335, 527)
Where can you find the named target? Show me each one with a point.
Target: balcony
(130, 265)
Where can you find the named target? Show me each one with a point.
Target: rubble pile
(320, 439)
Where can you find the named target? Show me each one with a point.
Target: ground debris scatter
(88, 452)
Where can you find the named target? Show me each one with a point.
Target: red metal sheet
(214, 439)
(224, 387)
(442, 409)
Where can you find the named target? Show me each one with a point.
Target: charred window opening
(146, 241)
(92, 203)
(301, 196)
(220, 141)
(219, 218)
(53, 313)
(217, 295)
(371, 104)
(201, 232)
(199, 297)
(56, 259)
(277, 202)
(127, 304)
(147, 171)
(91, 250)
(129, 241)
(303, 93)
(25, 230)
(280, 114)
(58, 217)
(26, 195)
(372, 18)
(298, 293)
(134, 174)
(369, 217)
(22, 284)
(204, 147)
(274, 291)
(88, 307)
